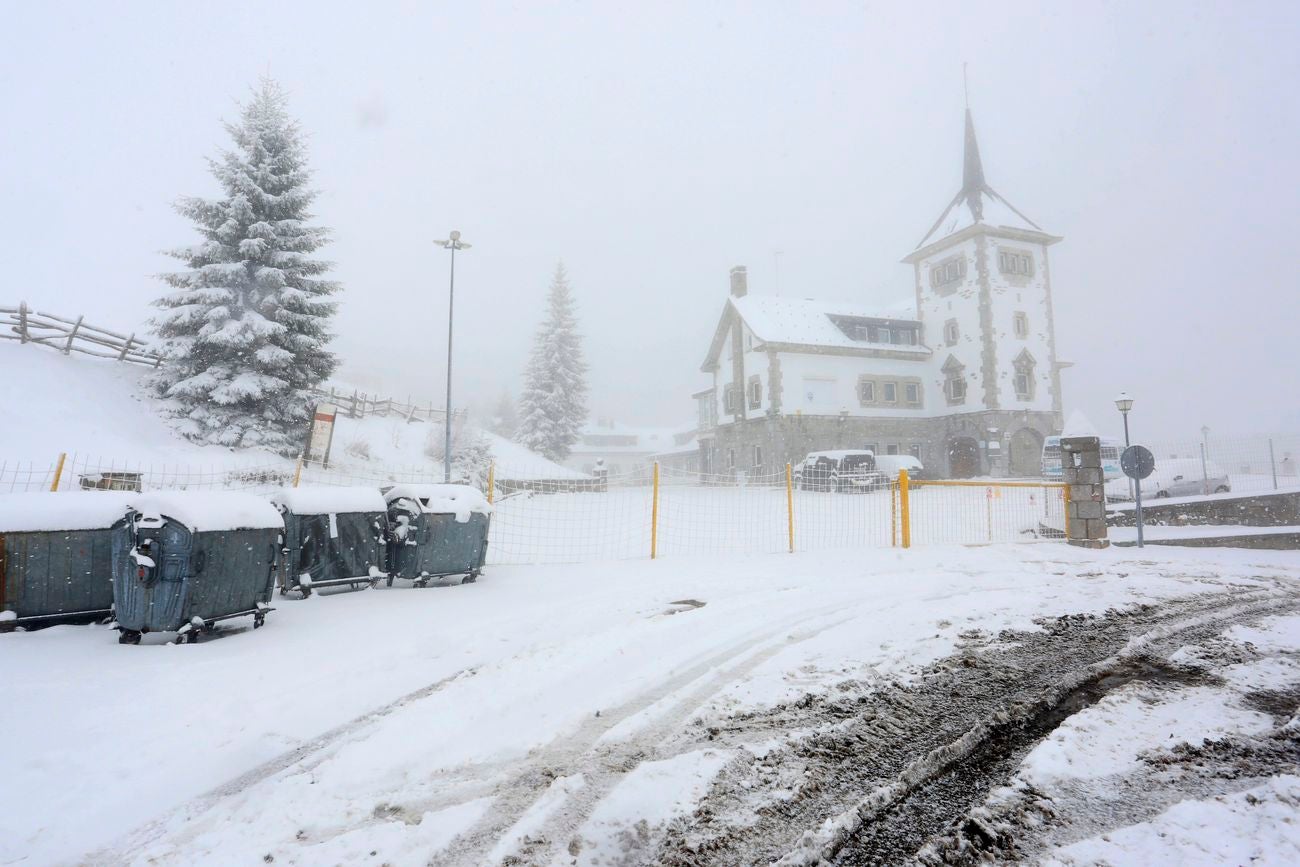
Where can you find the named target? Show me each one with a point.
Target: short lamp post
(1124, 404)
(454, 244)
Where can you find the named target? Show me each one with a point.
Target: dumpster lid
(210, 510)
(458, 500)
(43, 511)
(325, 500)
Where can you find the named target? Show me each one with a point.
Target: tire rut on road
(850, 786)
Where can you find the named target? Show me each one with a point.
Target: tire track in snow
(526, 826)
(301, 758)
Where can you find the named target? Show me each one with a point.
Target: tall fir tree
(244, 334)
(553, 406)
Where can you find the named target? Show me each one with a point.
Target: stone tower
(984, 297)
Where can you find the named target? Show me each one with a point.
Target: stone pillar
(1081, 470)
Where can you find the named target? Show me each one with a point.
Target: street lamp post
(1124, 403)
(454, 244)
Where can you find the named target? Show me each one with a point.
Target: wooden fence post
(72, 335)
(125, 348)
(22, 321)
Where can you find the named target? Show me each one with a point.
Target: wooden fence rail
(26, 325)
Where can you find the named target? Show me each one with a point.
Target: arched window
(1024, 376)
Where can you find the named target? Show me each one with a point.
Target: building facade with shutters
(968, 381)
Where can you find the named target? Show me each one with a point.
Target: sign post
(1137, 462)
(322, 433)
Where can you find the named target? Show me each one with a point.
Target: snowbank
(80, 510)
(458, 500)
(210, 510)
(325, 500)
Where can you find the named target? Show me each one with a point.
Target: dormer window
(954, 381)
(1017, 264)
(864, 330)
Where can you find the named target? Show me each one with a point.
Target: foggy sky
(653, 146)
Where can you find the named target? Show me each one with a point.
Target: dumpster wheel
(259, 619)
(470, 578)
(128, 636)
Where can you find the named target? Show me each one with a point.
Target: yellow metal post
(58, 470)
(297, 472)
(492, 480)
(654, 514)
(789, 503)
(904, 508)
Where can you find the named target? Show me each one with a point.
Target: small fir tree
(505, 418)
(244, 334)
(553, 406)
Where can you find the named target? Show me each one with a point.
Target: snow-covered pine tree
(553, 406)
(244, 333)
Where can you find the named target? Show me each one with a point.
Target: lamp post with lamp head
(453, 244)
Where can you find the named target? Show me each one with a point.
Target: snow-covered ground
(540, 713)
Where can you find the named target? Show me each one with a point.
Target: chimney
(739, 281)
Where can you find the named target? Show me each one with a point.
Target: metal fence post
(789, 503)
(297, 472)
(1205, 472)
(58, 470)
(904, 507)
(1272, 464)
(654, 513)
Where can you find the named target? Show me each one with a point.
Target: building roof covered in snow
(805, 322)
(977, 203)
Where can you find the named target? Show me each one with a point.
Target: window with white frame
(954, 381)
(912, 392)
(889, 392)
(866, 391)
(755, 392)
(1023, 378)
(874, 448)
(956, 389)
(731, 399)
(758, 457)
(1016, 263)
(946, 273)
(1020, 322)
(951, 332)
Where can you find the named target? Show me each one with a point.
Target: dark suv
(845, 471)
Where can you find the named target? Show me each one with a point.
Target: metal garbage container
(436, 530)
(56, 556)
(182, 561)
(332, 537)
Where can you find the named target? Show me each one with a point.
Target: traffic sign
(1137, 462)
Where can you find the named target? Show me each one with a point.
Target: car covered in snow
(1174, 477)
(842, 470)
(889, 465)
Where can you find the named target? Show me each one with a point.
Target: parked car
(845, 471)
(889, 465)
(1176, 477)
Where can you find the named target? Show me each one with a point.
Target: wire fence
(634, 515)
(1238, 464)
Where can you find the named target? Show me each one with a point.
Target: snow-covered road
(550, 713)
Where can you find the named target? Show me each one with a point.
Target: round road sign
(1137, 462)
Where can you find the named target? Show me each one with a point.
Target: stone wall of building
(788, 438)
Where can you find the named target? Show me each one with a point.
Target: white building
(968, 380)
(624, 450)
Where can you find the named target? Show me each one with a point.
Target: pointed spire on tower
(972, 171)
(974, 188)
